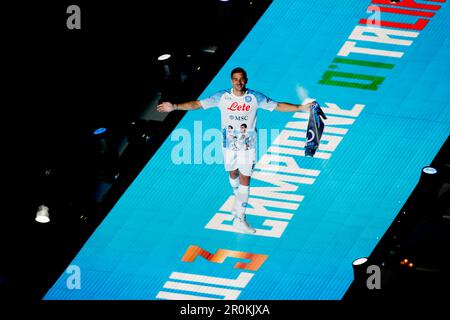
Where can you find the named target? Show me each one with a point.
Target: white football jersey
(238, 116)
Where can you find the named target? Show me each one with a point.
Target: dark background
(59, 85)
(62, 84)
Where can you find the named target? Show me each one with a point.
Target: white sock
(241, 200)
(234, 184)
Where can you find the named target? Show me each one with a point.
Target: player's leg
(242, 196)
(245, 164)
(234, 180)
(230, 164)
(244, 180)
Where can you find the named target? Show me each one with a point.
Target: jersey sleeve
(212, 101)
(265, 102)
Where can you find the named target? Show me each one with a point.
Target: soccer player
(236, 105)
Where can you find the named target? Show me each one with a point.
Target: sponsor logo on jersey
(239, 107)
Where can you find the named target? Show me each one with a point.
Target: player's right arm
(209, 102)
(186, 106)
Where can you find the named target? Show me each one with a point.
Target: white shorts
(244, 160)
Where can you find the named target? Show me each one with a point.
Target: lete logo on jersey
(239, 107)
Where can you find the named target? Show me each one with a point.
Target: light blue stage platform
(169, 236)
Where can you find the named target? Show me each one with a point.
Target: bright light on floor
(42, 216)
(359, 261)
(164, 57)
(429, 170)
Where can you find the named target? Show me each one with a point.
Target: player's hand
(165, 107)
(305, 107)
(310, 104)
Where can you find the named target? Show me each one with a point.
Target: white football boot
(240, 223)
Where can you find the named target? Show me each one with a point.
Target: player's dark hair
(244, 125)
(239, 70)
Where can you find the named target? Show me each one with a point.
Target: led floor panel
(381, 73)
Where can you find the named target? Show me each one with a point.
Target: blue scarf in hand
(315, 129)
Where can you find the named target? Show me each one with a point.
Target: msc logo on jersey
(238, 118)
(248, 98)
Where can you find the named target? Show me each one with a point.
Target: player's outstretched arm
(288, 107)
(186, 106)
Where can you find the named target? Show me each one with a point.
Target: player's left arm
(289, 107)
